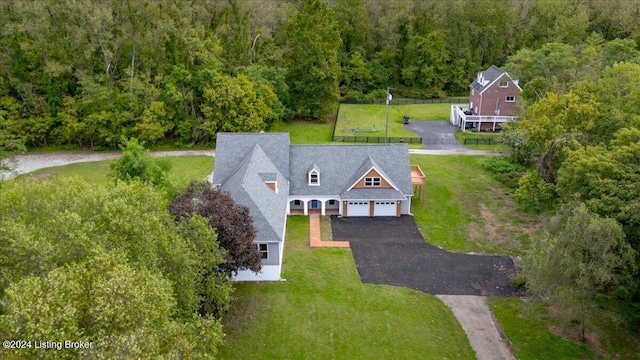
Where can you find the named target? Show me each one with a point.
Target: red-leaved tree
(233, 223)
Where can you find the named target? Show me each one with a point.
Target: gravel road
(29, 162)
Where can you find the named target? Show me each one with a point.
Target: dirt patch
(570, 332)
(496, 232)
(43, 176)
(492, 226)
(499, 223)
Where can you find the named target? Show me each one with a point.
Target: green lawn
(528, 330)
(460, 136)
(368, 117)
(185, 169)
(464, 209)
(305, 132)
(323, 311)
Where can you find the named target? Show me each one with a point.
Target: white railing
(459, 118)
(486, 118)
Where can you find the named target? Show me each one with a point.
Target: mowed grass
(184, 169)
(367, 117)
(323, 311)
(305, 132)
(527, 328)
(461, 136)
(464, 209)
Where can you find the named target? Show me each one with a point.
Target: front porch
(321, 206)
(314, 212)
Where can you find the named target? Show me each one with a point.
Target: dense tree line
(88, 73)
(110, 265)
(119, 266)
(579, 138)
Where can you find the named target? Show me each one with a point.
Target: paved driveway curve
(392, 251)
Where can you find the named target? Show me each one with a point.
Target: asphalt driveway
(392, 251)
(437, 135)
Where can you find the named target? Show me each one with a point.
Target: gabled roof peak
(314, 167)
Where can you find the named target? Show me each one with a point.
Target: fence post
(335, 122)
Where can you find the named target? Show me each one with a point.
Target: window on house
(510, 99)
(297, 202)
(332, 202)
(264, 250)
(372, 181)
(504, 83)
(314, 178)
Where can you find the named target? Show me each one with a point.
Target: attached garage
(384, 208)
(358, 208)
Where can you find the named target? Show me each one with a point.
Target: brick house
(494, 93)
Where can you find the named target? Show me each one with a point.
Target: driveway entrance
(390, 250)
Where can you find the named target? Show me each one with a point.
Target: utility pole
(386, 128)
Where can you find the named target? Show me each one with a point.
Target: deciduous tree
(313, 68)
(231, 104)
(108, 302)
(232, 222)
(77, 220)
(574, 258)
(135, 164)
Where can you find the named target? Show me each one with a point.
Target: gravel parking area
(441, 131)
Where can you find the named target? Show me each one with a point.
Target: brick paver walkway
(314, 235)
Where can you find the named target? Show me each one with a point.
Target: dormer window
(372, 181)
(272, 185)
(314, 178)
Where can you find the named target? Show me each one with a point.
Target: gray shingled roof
(489, 75)
(247, 187)
(245, 161)
(231, 148)
(341, 165)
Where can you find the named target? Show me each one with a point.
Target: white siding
(268, 273)
(405, 207)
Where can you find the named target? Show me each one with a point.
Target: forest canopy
(91, 73)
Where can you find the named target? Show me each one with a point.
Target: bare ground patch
(42, 176)
(500, 223)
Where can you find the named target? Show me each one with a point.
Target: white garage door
(384, 208)
(358, 208)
